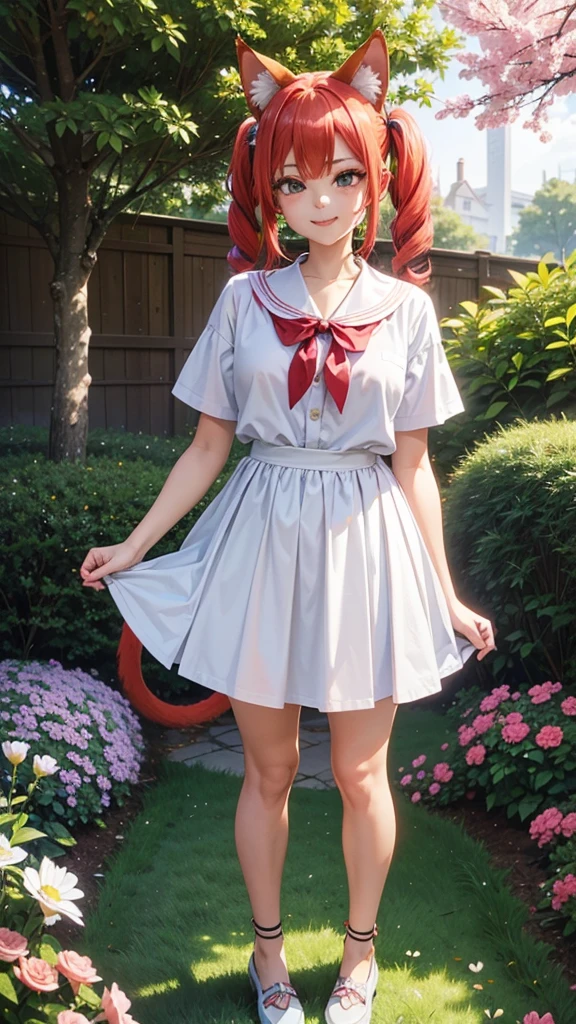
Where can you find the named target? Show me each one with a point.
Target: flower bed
(86, 726)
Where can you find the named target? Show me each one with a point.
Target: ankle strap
(361, 936)
(258, 928)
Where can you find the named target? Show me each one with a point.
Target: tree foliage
(549, 223)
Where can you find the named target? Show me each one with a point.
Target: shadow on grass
(173, 922)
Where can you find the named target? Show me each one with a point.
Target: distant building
(494, 209)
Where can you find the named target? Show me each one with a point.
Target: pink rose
(115, 1004)
(549, 736)
(12, 945)
(569, 706)
(36, 974)
(71, 1017)
(434, 788)
(416, 797)
(418, 760)
(516, 732)
(79, 970)
(476, 754)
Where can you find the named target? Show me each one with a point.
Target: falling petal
(476, 967)
(478, 986)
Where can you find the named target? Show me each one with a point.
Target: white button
(314, 414)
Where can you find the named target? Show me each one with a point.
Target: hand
(475, 627)
(102, 561)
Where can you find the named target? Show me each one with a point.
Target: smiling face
(323, 209)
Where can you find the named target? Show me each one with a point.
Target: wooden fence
(150, 294)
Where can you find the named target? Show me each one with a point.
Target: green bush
(51, 514)
(510, 523)
(514, 356)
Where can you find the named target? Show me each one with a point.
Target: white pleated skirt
(305, 581)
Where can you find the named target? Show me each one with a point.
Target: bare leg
(271, 755)
(359, 742)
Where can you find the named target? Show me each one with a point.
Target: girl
(318, 575)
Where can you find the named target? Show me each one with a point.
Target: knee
(273, 781)
(359, 783)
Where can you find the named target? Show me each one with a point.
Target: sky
(458, 137)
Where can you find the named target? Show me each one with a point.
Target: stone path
(219, 747)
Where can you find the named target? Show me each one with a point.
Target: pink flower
(71, 1017)
(546, 825)
(434, 788)
(416, 797)
(514, 718)
(405, 780)
(563, 889)
(516, 732)
(442, 772)
(418, 760)
(420, 774)
(549, 736)
(569, 825)
(535, 1018)
(12, 945)
(516, 695)
(467, 734)
(115, 1004)
(36, 974)
(569, 706)
(476, 754)
(78, 969)
(496, 697)
(483, 722)
(540, 694)
(444, 746)
(466, 713)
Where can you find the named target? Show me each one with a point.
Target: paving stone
(312, 716)
(311, 783)
(193, 750)
(223, 761)
(219, 730)
(314, 737)
(314, 759)
(231, 738)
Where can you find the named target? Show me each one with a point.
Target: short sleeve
(206, 381)
(431, 394)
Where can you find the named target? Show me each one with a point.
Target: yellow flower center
(51, 893)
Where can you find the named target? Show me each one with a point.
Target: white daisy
(53, 887)
(15, 751)
(10, 854)
(44, 765)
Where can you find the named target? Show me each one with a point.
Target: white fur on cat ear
(262, 89)
(367, 82)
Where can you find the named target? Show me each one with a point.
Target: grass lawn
(173, 922)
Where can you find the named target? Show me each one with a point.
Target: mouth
(320, 223)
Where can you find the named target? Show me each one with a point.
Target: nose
(321, 201)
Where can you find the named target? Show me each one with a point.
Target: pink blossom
(36, 974)
(418, 760)
(71, 1017)
(467, 712)
(476, 754)
(420, 774)
(483, 722)
(549, 736)
(416, 796)
(495, 698)
(563, 889)
(546, 825)
(115, 1006)
(516, 695)
(442, 772)
(79, 970)
(405, 780)
(467, 734)
(12, 945)
(540, 694)
(569, 825)
(444, 746)
(515, 733)
(535, 1018)
(569, 706)
(513, 718)
(434, 788)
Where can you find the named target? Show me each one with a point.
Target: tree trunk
(69, 290)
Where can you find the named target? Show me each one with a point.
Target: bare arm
(412, 468)
(188, 481)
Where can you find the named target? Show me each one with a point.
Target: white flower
(44, 765)
(16, 751)
(53, 887)
(10, 854)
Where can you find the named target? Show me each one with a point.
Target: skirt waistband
(311, 458)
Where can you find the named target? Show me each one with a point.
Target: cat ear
(261, 77)
(368, 70)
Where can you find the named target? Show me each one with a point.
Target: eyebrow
(340, 160)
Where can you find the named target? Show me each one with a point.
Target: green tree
(105, 101)
(549, 223)
(450, 231)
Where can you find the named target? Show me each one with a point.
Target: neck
(330, 262)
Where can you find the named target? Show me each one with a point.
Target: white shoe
(269, 1012)
(358, 994)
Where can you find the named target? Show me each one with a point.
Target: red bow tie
(303, 331)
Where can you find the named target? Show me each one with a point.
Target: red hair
(306, 115)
